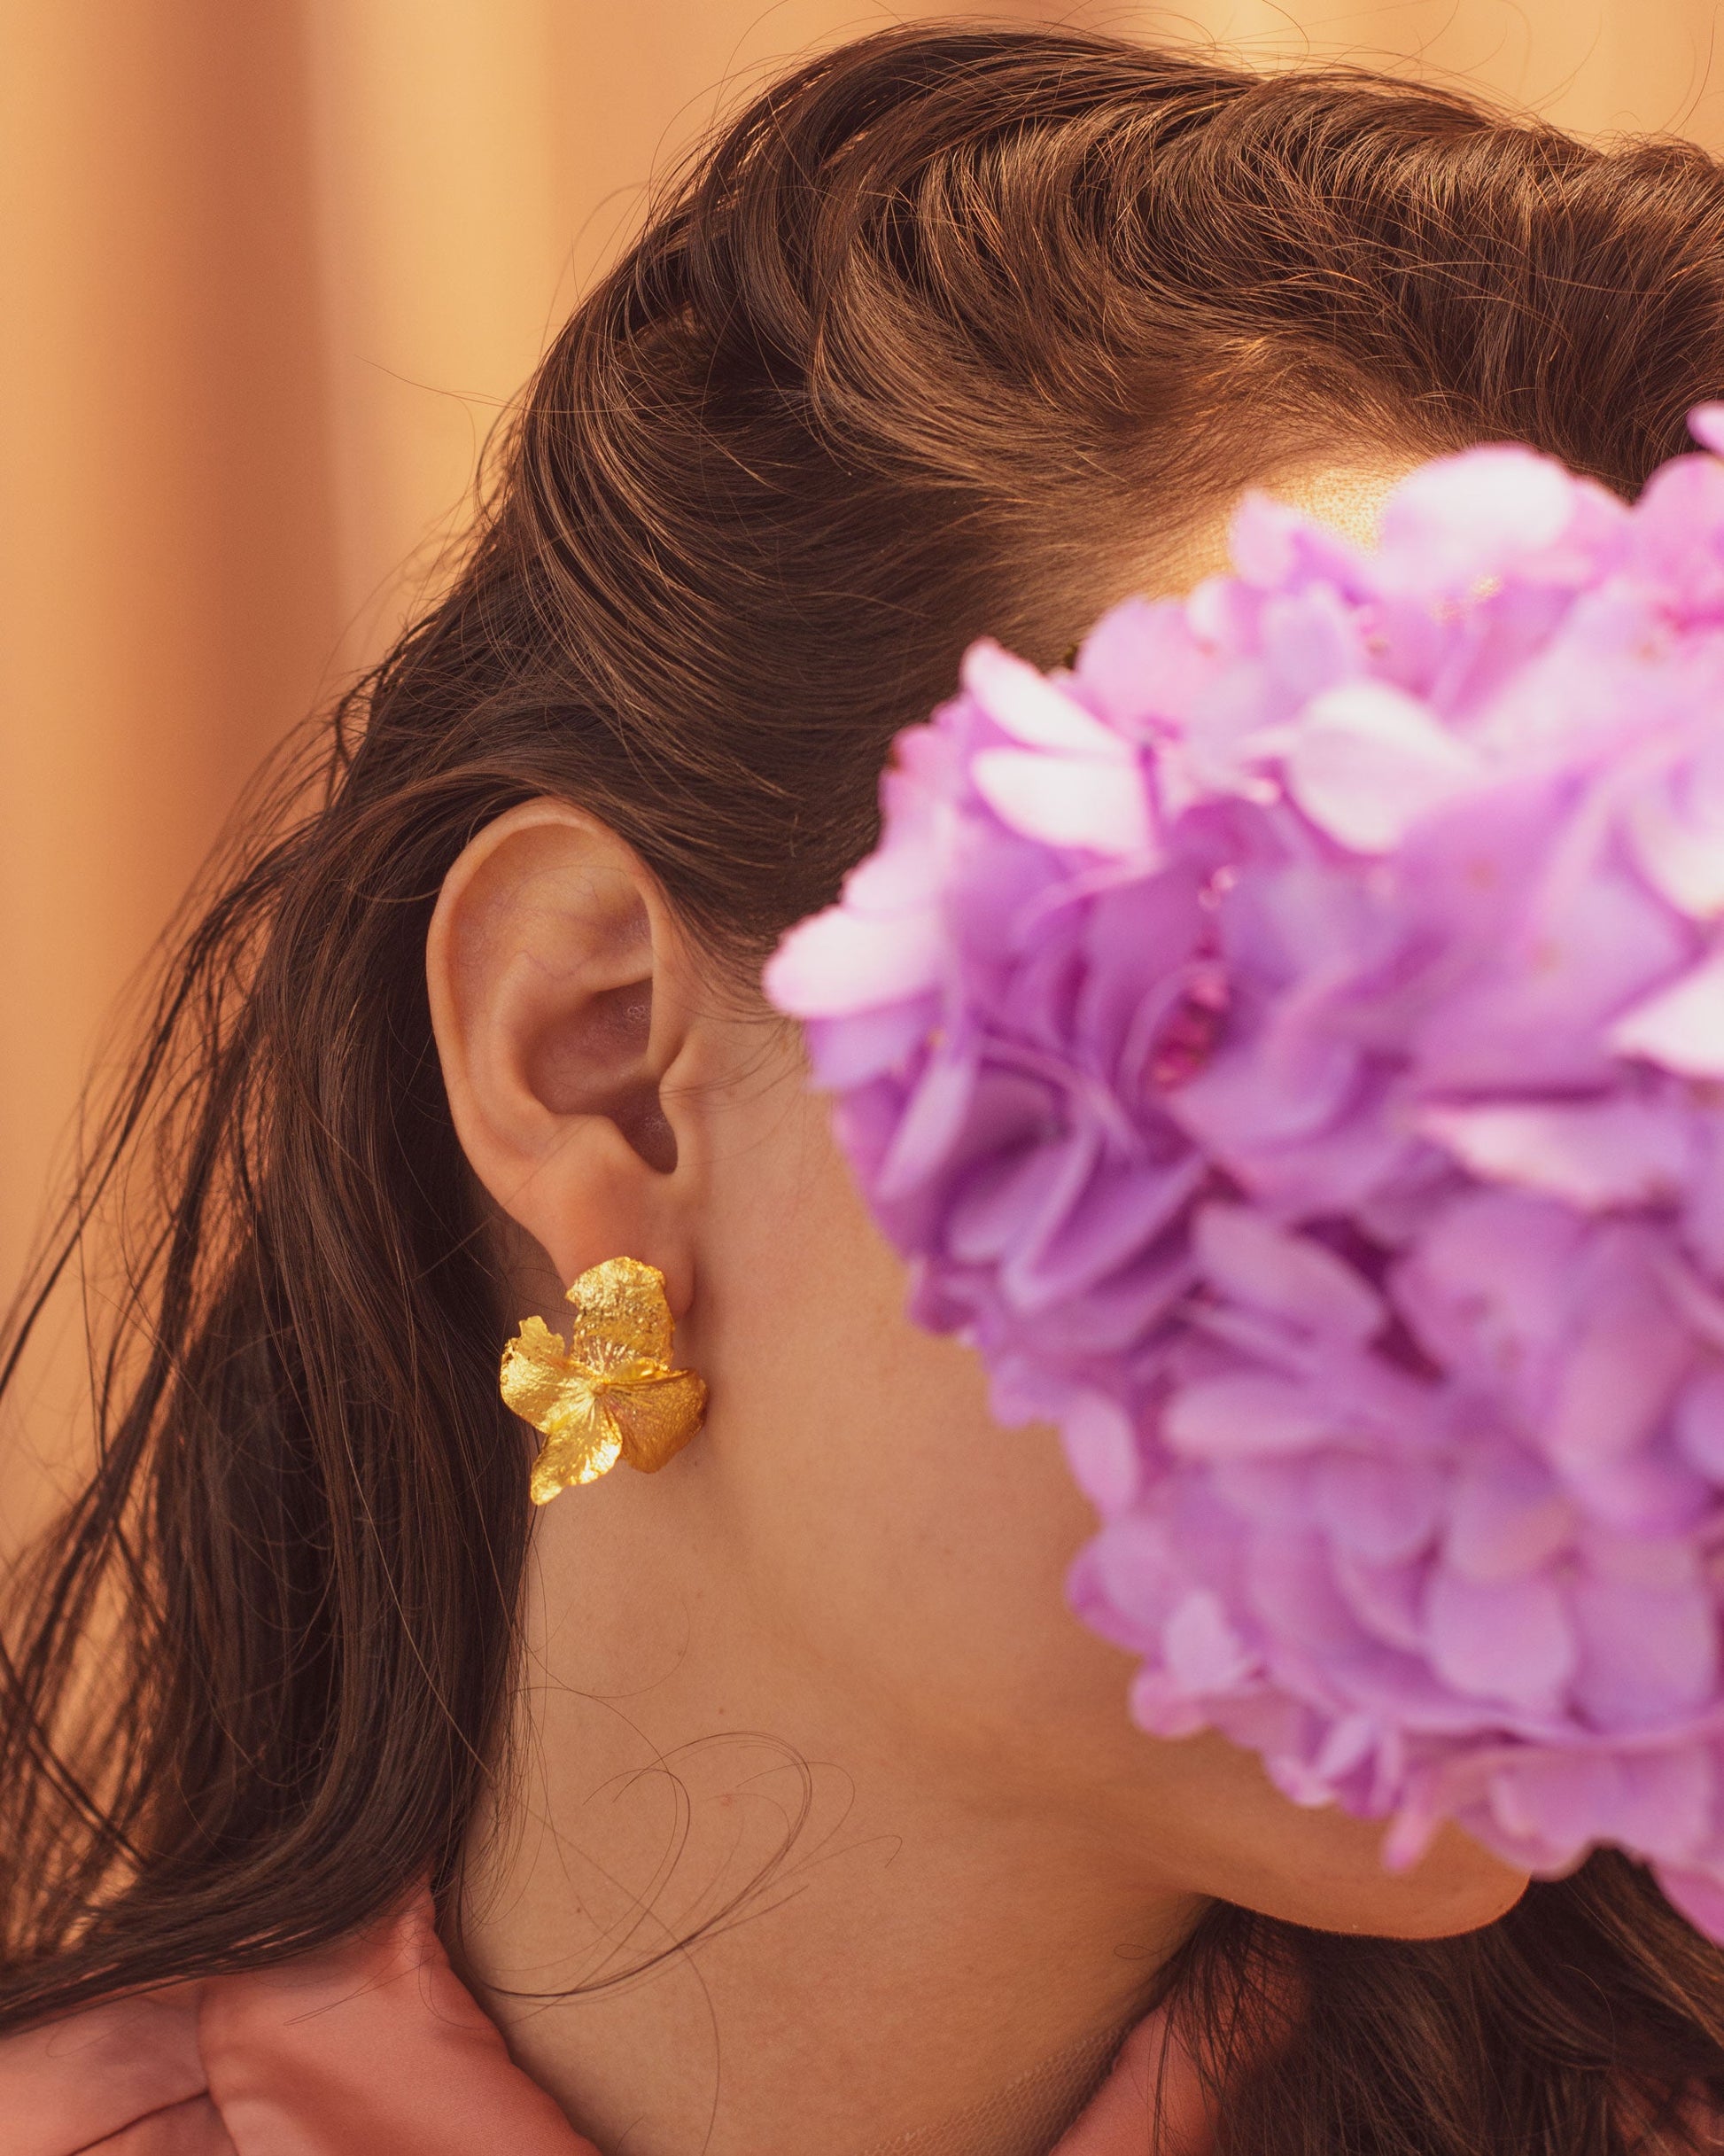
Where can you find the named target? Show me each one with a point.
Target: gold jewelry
(611, 1394)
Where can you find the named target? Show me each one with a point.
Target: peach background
(267, 273)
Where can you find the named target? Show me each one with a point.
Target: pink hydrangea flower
(1290, 1048)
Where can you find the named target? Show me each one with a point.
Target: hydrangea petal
(1028, 707)
(1291, 1584)
(1104, 1229)
(1500, 1639)
(1455, 521)
(1257, 1263)
(1679, 846)
(1141, 662)
(837, 962)
(1697, 1896)
(1508, 1517)
(935, 1112)
(1649, 1651)
(1065, 802)
(1593, 1154)
(1243, 1416)
(1682, 1027)
(1366, 762)
(1383, 1509)
(1705, 423)
(1619, 1376)
(1558, 1803)
(861, 1044)
(1017, 1201)
(1202, 1651)
(1101, 1444)
(1698, 1421)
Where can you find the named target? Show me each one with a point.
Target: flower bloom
(1289, 1045)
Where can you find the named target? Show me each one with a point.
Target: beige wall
(267, 273)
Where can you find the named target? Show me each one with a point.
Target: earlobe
(556, 1023)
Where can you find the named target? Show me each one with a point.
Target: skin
(810, 1694)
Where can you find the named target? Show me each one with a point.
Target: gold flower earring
(611, 1394)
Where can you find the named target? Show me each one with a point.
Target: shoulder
(369, 2048)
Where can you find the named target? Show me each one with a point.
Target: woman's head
(948, 333)
(877, 1565)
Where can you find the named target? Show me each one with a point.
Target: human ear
(557, 985)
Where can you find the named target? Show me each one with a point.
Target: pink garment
(371, 2048)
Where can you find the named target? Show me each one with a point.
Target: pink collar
(371, 2048)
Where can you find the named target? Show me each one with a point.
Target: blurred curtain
(269, 272)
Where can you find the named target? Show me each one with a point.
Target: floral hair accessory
(1290, 1047)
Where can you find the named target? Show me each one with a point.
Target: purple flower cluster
(1290, 1047)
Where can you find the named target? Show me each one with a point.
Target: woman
(773, 1802)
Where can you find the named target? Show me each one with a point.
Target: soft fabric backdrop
(268, 273)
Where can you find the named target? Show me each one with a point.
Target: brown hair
(925, 344)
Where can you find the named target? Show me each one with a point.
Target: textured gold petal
(657, 1416)
(622, 1324)
(582, 1442)
(535, 1372)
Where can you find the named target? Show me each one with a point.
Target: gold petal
(535, 1372)
(657, 1416)
(622, 1327)
(582, 1442)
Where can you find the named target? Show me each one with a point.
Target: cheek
(915, 1546)
(915, 1554)
(925, 1548)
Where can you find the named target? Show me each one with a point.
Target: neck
(1024, 2117)
(703, 1939)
